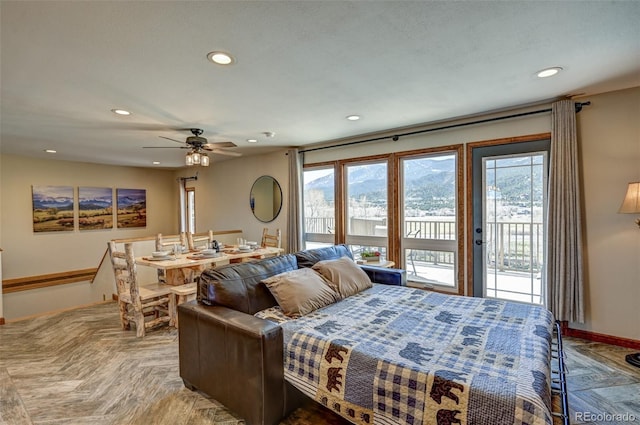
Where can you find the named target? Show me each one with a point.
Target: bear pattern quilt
(396, 355)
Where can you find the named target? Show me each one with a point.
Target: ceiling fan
(197, 145)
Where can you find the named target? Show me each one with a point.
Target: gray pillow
(299, 292)
(346, 277)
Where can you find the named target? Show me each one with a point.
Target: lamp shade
(631, 202)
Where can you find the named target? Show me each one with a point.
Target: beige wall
(609, 132)
(28, 254)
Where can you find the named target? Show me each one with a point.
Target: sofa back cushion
(311, 256)
(239, 286)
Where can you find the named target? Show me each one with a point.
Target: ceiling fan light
(204, 160)
(188, 160)
(195, 156)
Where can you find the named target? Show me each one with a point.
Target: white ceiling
(302, 67)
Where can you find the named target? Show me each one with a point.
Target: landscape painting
(132, 208)
(52, 208)
(95, 208)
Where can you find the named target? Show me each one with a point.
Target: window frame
(454, 246)
(321, 238)
(394, 245)
(363, 240)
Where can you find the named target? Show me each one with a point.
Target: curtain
(183, 212)
(294, 224)
(564, 271)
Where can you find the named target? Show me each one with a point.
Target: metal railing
(509, 246)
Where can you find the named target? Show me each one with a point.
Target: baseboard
(597, 337)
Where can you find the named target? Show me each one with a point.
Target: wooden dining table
(185, 268)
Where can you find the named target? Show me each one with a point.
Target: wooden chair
(199, 240)
(166, 243)
(271, 240)
(147, 305)
(180, 294)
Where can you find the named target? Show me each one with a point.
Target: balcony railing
(509, 246)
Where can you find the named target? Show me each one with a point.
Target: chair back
(196, 241)
(166, 242)
(271, 240)
(125, 272)
(137, 302)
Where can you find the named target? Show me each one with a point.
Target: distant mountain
(93, 204)
(126, 202)
(427, 177)
(130, 197)
(324, 184)
(61, 203)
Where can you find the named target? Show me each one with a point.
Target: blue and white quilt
(396, 355)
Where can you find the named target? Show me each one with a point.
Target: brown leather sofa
(236, 358)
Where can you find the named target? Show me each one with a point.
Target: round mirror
(265, 198)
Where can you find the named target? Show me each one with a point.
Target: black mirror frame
(252, 199)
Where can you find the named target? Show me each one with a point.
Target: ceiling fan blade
(215, 145)
(222, 152)
(173, 140)
(166, 147)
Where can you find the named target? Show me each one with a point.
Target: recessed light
(353, 117)
(156, 162)
(221, 58)
(50, 151)
(120, 112)
(548, 72)
(252, 140)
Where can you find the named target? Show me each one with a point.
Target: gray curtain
(294, 224)
(564, 238)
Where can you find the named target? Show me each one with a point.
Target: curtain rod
(396, 137)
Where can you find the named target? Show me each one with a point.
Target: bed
(395, 355)
(381, 354)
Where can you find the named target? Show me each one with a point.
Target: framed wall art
(132, 208)
(52, 208)
(95, 208)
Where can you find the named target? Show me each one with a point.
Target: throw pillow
(301, 291)
(347, 278)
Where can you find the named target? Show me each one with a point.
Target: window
(429, 219)
(190, 208)
(405, 205)
(366, 207)
(319, 207)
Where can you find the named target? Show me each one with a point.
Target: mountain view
(429, 183)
